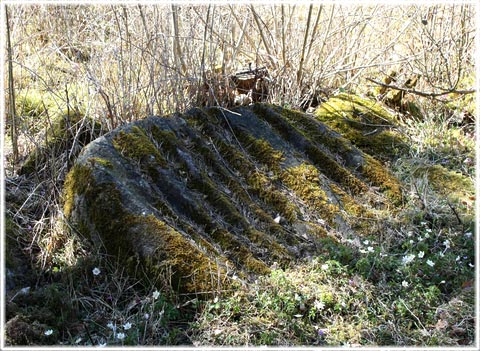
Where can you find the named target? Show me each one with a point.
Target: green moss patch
(192, 270)
(76, 182)
(135, 144)
(453, 185)
(305, 182)
(366, 123)
(385, 180)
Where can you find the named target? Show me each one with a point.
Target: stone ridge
(210, 194)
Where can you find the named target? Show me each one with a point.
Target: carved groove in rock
(210, 193)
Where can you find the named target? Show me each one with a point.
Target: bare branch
(422, 93)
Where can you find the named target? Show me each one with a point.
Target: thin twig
(423, 93)
(305, 37)
(414, 316)
(88, 333)
(11, 92)
(455, 212)
(256, 17)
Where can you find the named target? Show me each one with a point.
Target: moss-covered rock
(199, 197)
(365, 122)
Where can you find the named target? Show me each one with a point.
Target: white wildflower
(407, 259)
(471, 265)
(426, 234)
(48, 332)
(457, 259)
(430, 263)
(370, 249)
(127, 326)
(319, 305)
(447, 244)
(405, 284)
(96, 271)
(468, 234)
(421, 254)
(325, 266)
(156, 294)
(111, 326)
(121, 336)
(366, 242)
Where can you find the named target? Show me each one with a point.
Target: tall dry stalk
(11, 92)
(177, 49)
(201, 81)
(261, 30)
(305, 37)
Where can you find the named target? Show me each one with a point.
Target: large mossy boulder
(212, 194)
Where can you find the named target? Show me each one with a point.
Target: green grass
(376, 299)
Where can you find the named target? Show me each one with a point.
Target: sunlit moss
(76, 182)
(455, 186)
(348, 204)
(313, 150)
(193, 271)
(100, 161)
(135, 144)
(263, 151)
(374, 171)
(305, 182)
(364, 122)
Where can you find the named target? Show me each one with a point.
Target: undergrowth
(412, 285)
